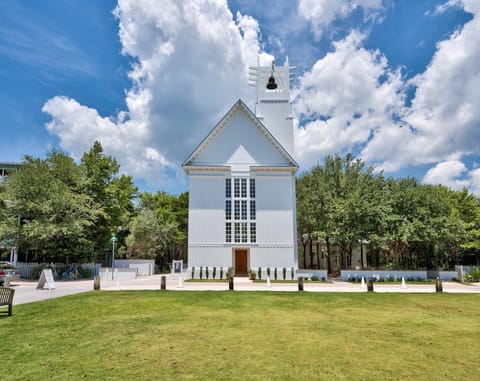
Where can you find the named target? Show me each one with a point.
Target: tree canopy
(406, 224)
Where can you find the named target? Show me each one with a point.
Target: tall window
(239, 223)
(228, 232)
(244, 188)
(228, 209)
(236, 188)
(253, 232)
(228, 188)
(236, 214)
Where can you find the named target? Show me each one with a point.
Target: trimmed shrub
(284, 273)
(275, 273)
(193, 272)
(214, 273)
(221, 273)
(201, 272)
(260, 273)
(206, 272)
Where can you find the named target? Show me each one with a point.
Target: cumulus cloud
(448, 173)
(189, 64)
(352, 100)
(321, 13)
(444, 110)
(348, 95)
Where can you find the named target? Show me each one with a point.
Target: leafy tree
(55, 215)
(114, 194)
(151, 236)
(171, 211)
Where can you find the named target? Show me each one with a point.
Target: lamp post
(113, 240)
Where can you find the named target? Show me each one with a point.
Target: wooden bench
(6, 298)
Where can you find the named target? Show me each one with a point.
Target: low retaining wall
(350, 275)
(308, 274)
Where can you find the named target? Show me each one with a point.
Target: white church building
(242, 204)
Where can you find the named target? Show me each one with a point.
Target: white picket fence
(27, 270)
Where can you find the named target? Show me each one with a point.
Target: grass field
(164, 335)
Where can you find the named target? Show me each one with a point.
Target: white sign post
(46, 277)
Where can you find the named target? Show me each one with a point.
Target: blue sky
(395, 82)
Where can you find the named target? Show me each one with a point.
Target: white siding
(275, 213)
(206, 216)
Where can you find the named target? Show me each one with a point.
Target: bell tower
(274, 107)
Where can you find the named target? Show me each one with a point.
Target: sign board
(177, 267)
(46, 277)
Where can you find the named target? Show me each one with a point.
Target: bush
(85, 273)
(473, 276)
(230, 273)
(252, 275)
(206, 272)
(214, 273)
(36, 271)
(193, 272)
(315, 278)
(201, 272)
(284, 273)
(221, 273)
(260, 273)
(275, 273)
(268, 271)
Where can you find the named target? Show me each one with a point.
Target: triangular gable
(204, 149)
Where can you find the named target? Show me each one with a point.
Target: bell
(271, 85)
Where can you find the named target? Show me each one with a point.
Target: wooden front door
(241, 262)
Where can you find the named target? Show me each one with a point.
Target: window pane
(237, 210)
(244, 210)
(253, 210)
(244, 188)
(237, 232)
(228, 232)
(252, 188)
(244, 232)
(253, 232)
(228, 188)
(228, 209)
(236, 187)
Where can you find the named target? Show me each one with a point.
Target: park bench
(6, 298)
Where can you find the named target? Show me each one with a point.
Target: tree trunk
(329, 265)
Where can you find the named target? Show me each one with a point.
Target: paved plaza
(26, 291)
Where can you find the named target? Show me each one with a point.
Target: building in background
(242, 203)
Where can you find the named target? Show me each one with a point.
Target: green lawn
(168, 335)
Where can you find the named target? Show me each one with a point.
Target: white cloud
(448, 173)
(190, 65)
(321, 13)
(475, 181)
(444, 110)
(348, 95)
(454, 174)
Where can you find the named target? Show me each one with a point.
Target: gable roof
(240, 106)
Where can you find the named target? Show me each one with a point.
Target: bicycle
(72, 274)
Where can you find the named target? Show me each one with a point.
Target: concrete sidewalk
(26, 291)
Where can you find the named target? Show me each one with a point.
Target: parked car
(6, 268)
